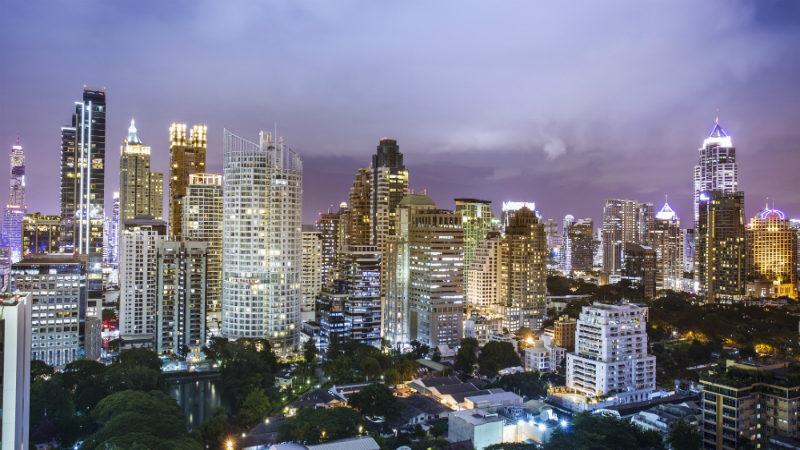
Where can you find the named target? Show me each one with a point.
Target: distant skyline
(563, 104)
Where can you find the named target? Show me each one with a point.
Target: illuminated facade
(40, 234)
(201, 215)
(359, 230)
(16, 208)
(666, 239)
(717, 169)
(484, 274)
(624, 221)
(187, 156)
(389, 186)
(477, 219)
(332, 226)
(261, 235)
(141, 191)
(510, 208)
(772, 252)
(112, 250)
(720, 253)
(12, 229)
(523, 277)
(578, 248)
(312, 271)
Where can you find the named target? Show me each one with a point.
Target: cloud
(554, 148)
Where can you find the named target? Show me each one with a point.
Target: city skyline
(564, 144)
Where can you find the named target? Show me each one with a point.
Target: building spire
(133, 137)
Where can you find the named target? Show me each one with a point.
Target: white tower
(717, 168)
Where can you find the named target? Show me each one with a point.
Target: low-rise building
(420, 408)
(318, 398)
(481, 328)
(480, 427)
(564, 332)
(544, 356)
(493, 402)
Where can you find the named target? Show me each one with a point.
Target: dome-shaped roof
(417, 199)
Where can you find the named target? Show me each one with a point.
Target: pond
(198, 398)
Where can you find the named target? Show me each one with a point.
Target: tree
(248, 363)
(217, 350)
(523, 333)
(40, 370)
(51, 396)
(212, 430)
(392, 377)
(310, 350)
(437, 431)
(139, 357)
(137, 419)
(497, 355)
(602, 432)
(684, 437)
(465, 359)
(370, 368)
(748, 352)
(406, 368)
(113, 345)
(82, 369)
(419, 433)
(437, 355)
(121, 377)
(530, 384)
(314, 425)
(257, 403)
(376, 400)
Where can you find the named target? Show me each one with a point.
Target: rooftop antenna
(17, 138)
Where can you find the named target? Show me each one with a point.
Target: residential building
(141, 191)
(187, 156)
(666, 239)
(772, 251)
(482, 327)
(610, 356)
(720, 259)
(112, 248)
(716, 170)
(476, 219)
(485, 274)
(180, 302)
(262, 251)
(523, 275)
(564, 332)
(15, 384)
(493, 402)
(624, 221)
(663, 418)
(311, 278)
(645, 218)
(544, 356)
(62, 330)
(639, 267)
(509, 209)
(138, 278)
(422, 408)
(688, 249)
(435, 277)
(201, 215)
(40, 234)
(578, 247)
(5, 263)
(331, 226)
(389, 186)
(359, 231)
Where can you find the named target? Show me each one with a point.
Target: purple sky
(560, 103)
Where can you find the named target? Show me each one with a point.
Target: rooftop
(476, 416)
(358, 443)
(423, 404)
(417, 199)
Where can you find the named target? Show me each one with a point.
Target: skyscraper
(359, 230)
(717, 169)
(113, 232)
(510, 208)
(141, 191)
(666, 239)
(484, 274)
(332, 226)
(201, 215)
(40, 234)
(720, 270)
(624, 221)
(477, 222)
(389, 186)
(312, 270)
(15, 382)
(578, 249)
(16, 208)
(12, 226)
(772, 252)
(261, 236)
(187, 156)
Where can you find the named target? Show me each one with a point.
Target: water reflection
(197, 399)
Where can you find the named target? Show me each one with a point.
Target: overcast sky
(559, 103)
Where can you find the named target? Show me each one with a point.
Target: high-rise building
(550, 228)
(12, 229)
(395, 267)
(523, 280)
(16, 208)
(312, 271)
(578, 248)
(624, 221)
(666, 239)
(598, 249)
(610, 356)
(772, 252)
(201, 213)
(477, 222)
(138, 279)
(794, 224)
(180, 303)
(720, 266)
(16, 192)
(5, 263)
(15, 383)
(187, 156)
(112, 252)
(717, 169)
(62, 328)
(510, 208)
(484, 274)
(389, 186)
(359, 230)
(261, 235)
(639, 267)
(688, 249)
(331, 226)
(436, 258)
(141, 191)
(40, 234)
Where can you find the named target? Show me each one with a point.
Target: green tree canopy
(310, 350)
(40, 370)
(530, 384)
(589, 431)
(376, 400)
(684, 437)
(315, 425)
(139, 357)
(257, 402)
(370, 368)
(465, 359)
(497, 355)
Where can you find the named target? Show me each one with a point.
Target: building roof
(315, 397)
(359, 443)
(718, 131)
(476, 416)
(262, 434)
(54, 258)
(310, 229)
(629, 409)
(424, 404)
(666, 213)
(417, 199)
(438, 381)
(495, 398)
(133, 138)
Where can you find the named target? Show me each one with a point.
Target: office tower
(201, 215)
(138, 279)
(772, 252)
(436, 258)
(523, 287)
(639, 266)
(666, 239)
(477, 222)
(180, 303)
(611, 354)
(645, 218)
(484, 274)
(597, 244)
(359, 230)
(688, 249)
(569, 219)
(5, 263)
(720, 269)
(395, 269)
(578, 248)
(624, 221)
(16, 192)
(331, 226)
(12, 229)
(717, 169)
(261, 239)
(141, 191)
(389, 186)
(62, 328)
(187, 156)
(794, 224)
(550, 228)
(510, 208)
(311, 277)
(15, 384)
(40, 234)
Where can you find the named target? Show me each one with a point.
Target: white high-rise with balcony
(261, 235)
(611, 354)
